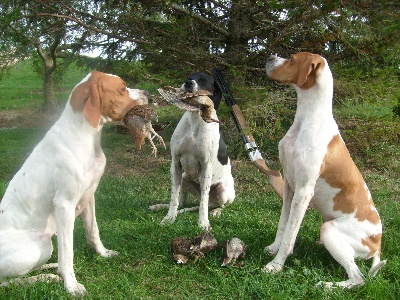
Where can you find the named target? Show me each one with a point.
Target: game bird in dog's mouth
(191, 101)
(320, 173)
(138, 121)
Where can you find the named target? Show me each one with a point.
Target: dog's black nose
(189, 83)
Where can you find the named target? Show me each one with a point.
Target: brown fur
(353, 195)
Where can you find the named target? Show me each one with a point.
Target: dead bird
(198, 100)
(182, 249)
(233, 249)
(138, 121)
(205, 242)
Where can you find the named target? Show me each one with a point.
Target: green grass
(144, 268)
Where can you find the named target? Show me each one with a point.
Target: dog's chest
(195, 144)
(194, 137)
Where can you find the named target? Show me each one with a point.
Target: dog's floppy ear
(217, 95)
(309, 71)
(85, 97)
(92, 109)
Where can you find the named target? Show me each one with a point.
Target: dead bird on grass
(233, 249)
(182, 248)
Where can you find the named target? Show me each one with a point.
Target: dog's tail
(376, 265)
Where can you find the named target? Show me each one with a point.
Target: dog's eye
(291, 58)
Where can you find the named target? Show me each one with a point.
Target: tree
(239, 35)
(25, 32)
(186, 35)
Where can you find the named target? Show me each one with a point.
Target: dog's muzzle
(190, 86)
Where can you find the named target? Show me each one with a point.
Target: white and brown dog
(319, 172)
(200, 162)
(57, 183)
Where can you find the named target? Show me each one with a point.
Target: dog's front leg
(287, 202)
(92, 231)
(301, 200)
(205, 185)
(65, 217)
(176, 183)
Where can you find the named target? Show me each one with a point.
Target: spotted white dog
(319, 172)
(200, 162)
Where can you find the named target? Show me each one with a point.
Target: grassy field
(133, 181)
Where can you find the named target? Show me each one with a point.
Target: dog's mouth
(190, 86)
(196, 101)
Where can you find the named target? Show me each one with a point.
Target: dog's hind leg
(338, 238)
(48, 266)
(32, 279)
(22, 252)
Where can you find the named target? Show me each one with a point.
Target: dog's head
(301, 70)
(202, 81)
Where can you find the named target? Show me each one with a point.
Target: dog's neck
(197, 119)
(75, 124)
(315, 104)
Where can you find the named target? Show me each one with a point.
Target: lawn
(133, 180)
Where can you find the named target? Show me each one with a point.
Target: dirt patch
(26, 119)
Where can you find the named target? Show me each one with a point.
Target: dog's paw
(216, 213)
(205, 225)
(324, 285)
(77, 289)
(272, 249)
(109, 253)
(273, 267)
(347, 284)
(168, 219)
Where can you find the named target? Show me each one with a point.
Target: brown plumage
(233, 250)
(197, 101)
(138, 121)
(182, 249)
(205, 242)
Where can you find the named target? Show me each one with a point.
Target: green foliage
(187, 36)
(396, 108)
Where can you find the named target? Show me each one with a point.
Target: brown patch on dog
(339, 171)
(101, 94)
(373, 242)
(302, 69)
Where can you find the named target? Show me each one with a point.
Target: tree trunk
(49, 59)
(49, 95)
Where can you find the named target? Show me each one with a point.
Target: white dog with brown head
(319, 172)
(57, 182)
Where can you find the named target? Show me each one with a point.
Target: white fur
(302, 151)
(55, 184)
(194, 147)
